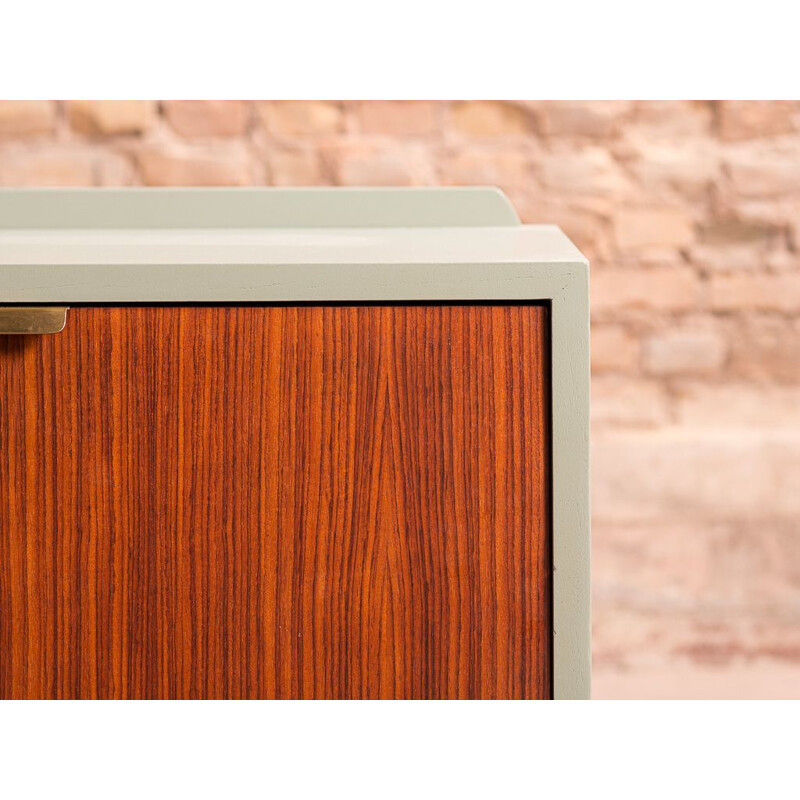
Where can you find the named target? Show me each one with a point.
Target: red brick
(737, 404)
(676, 352)
(783, 260)
(730, 230)
(665, 171)
(507, 168)
(688, 473)
(637, 228)
(26, 118)
(160, 167)
(614, 349)
(756, 677)
(593, 119)
(195, 119)
(491, 118)
(674, 120)
(110, 117)
(624, 402)
(775, 211)
(295, 168)
(743, 257)
(762, 171)
(668, 288)
(713, 607)
(587, 171)
(53, 166)
(765, 348)
(752, 119)
(302, 117)
(115, 169)
(701, 563)
(391, 165)
(779, 292)
(400, 117)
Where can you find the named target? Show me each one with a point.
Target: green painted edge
(325, 207)
(564, 285)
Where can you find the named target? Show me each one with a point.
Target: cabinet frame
(393, 246)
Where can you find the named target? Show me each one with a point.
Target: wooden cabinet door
(277, 502)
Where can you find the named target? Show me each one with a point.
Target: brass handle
(32, 319)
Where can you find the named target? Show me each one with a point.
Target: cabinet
(304, 444)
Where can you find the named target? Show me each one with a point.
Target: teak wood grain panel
(275, 502)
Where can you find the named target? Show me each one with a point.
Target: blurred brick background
(690, 214)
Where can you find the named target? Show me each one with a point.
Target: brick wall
(690, 214)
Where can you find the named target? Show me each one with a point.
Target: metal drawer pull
(32, 319)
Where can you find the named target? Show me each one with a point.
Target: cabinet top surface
(256, 208)
(533, 244)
